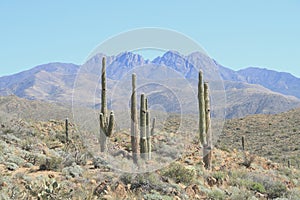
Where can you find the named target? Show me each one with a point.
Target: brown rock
(120, 191)
(190, 192)
(193, 191)
(260, 195)
(107, 197)
(211, 181)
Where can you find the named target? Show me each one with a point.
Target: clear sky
(237, 34)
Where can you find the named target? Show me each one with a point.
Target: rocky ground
(276, 137)
(37, 163)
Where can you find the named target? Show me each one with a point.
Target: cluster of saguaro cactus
(205, 134)
(145, 131)
(106, 124)
(142, 139)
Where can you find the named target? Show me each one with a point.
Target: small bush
(238, 194)
(126, 178)
(275, 189)
(156, 196)
(257, 187)
(219, 176)
(179, 173)
(216, 194)
(248, 160)
(51, 163)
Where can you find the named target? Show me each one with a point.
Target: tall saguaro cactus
(140, 142)
(106, 124)
(202, 123)
(205, 134)
(134, 122)
(207, 154)
(143, 128)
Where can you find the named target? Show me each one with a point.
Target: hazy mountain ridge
(245, 99)
(282, 82)
(54, 81)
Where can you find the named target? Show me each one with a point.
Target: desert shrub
(156, 196)
(98, 162)
(76, 157)
(238, 194)
(30, 158)
(11, 166)
(248, 160)
(179, 173)
(72, 171)
(51, 163)
(140, 181)
(15, 159)
(216, 194)
(294, 194)
(219, 176)
(60, 136)
(28, 144)
(257, 187)
(275, 189)
(44, 188)
(7, 131)
(126, 178)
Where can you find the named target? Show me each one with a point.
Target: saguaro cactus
(202, 123)
(243, 143)
(67, 130)
(106, 124)
(205, 134)
(143, 128)
(150, 133)
(207, 147)
(134, 122)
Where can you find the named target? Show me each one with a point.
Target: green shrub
(156, 196)
(216, 194)
(126, 178)
(72, 171)
(275, 189)
(238, 194)
(219, 176)
(257, 187)
(179, 173)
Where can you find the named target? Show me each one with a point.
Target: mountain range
(248, 91)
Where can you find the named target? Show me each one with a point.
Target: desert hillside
(272, 136)
(36, 162)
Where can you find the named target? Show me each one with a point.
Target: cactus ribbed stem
(149, 137)
(207, 148)
(102, 133)
(153, 127)
(103, 90)
(243, 143)
(106, 125)
(202, 123)
(134, 122)
(207, 114)
(111, 124)
(143, 136)
(67, 130)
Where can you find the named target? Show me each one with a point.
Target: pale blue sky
(237, 34)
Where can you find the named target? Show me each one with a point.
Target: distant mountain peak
(55, 81)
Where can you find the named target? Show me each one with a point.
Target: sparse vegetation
(36, 161)
(179, 173)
